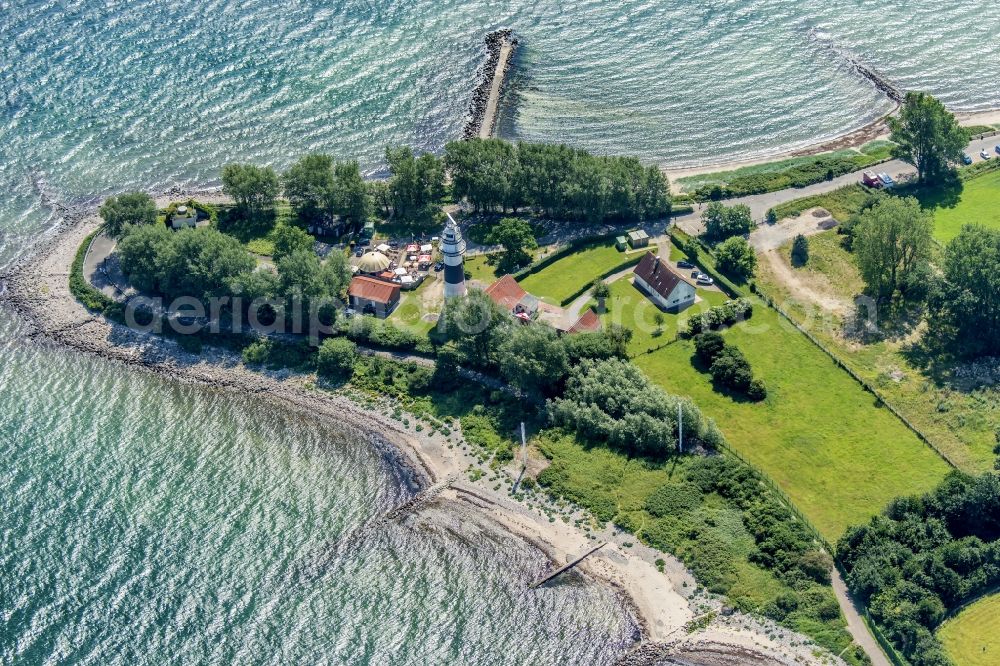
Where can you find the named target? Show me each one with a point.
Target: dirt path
(801, 291)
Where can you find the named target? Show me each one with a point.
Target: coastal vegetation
(782, 174)
(736, 258)
(924, 556)
(892, 243)
(517, 239)
(559, 181)
(723, 222)
(131, 208)
(254, 189)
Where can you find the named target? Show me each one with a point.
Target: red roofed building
(509, 295)
(664, 285)
(371, 296)
(589, 322)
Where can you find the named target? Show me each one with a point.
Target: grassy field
(979, 203)
(841, 203)
(562, 278)
(961, 423)
(972, 638)
(481, 269)
(819, 435)
(414, 305)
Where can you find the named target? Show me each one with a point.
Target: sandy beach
(875, 131)
(662, 603)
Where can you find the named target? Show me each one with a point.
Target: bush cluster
(721, 316)
(728, 366)
(923, 557)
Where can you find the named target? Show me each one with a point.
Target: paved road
(760, 203)
(101, 268)
(855, 623)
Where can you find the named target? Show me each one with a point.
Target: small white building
(184, 217)
(663, 283)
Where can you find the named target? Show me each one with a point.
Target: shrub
(720, 316)
(757, 390)
(800, 250)
(731, 369)
(336, 357)
(736, 258)
(673, 499)
(708, 345)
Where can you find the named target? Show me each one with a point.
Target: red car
(870, 179)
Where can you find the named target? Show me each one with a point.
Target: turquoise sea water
(146, 522)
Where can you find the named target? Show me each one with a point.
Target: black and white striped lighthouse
(453, 250)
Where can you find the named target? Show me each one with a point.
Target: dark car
(438, 267)
(364, 242)
(359, 252)
(685, 264)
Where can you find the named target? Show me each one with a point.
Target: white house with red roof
(663, 283)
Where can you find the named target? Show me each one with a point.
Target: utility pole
(524, 448)
(680, 429)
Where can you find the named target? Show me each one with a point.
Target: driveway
(101, 268)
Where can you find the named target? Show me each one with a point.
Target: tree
(417, 184)
(736, 258)
(517, 239)
(135, 208)
(800, 250)
(658, 319)
(965, 309)
(138, 251)
(310, 187)
(476, 325)
(336, 357)
(378, 195)
(722, 222)
(708, 346)
(600, 291)
(289, 239)
(731, 369)
(202, 263)
(533, 358)
(892, 243)
(253, 188)
(612, 402)
(350, 199)
(927, 136)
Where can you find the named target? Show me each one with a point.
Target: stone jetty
(500, 46)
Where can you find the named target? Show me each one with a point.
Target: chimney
(656, 266)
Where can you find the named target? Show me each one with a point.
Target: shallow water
(149, 522)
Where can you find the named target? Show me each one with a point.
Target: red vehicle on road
(870, 179)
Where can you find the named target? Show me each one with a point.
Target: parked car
(685, 264)
(705, 281)
(359, 252)
(696, 274)
(393, 244)
(349, 313)
(438, 267)
(870, 179)
(966, 159)
(365, 242)
(997, 149)
(887, 180)
(985, 154)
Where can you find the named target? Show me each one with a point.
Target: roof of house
(659, 275)
(370, 289)
(638, 234)
(506, 292)
(588, 322)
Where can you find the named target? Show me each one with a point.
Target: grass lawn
(481, 269)
(972, 638)
(565, 276)
(960, 423)
(979, 203)
(818, 434)
(413, 306)
(841, 203)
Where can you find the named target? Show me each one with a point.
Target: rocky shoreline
(487, 71)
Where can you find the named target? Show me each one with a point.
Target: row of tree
(561, 182)
(923, 557)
